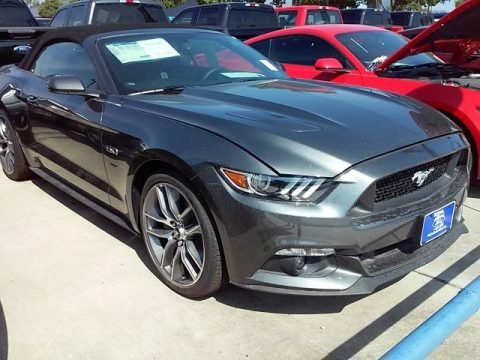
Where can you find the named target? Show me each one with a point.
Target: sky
(448, 6)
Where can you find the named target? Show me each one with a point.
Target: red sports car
(448, 80)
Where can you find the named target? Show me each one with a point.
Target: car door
(298, 54)
(65, 128)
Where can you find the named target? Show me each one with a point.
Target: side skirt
(83, 199)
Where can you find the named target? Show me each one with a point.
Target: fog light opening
(294, 265)
(305, 252)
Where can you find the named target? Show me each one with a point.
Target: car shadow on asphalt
(3, 335)
(373, 330)
(257, 301)
(283, 304)
(230, 295)
(128, 238)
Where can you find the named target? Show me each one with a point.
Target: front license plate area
(437, 223)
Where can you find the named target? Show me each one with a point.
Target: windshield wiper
(176, 89)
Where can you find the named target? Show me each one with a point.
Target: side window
(287, 18)
(317, 17)
(184, 17)
(209, 16)
(77, 16)
(304, 50)
(263, 47)
(59, 19)
(66, 59)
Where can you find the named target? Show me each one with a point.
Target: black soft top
(79, 34)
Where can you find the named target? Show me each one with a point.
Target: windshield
(112, 13)
(15, 13)
(401, 18)
(320, 17)
(156, 61)
(373, 47)
(252, 17)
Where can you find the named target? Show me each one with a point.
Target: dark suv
(411, 19)
(373, 17)
(239, 19)
(109, 12)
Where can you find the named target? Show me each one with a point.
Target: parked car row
(231, 170)
(239, 19)
(440, 67)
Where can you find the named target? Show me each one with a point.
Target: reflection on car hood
(456, 33)
(302, 127)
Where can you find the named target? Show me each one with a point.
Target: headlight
(277, 187)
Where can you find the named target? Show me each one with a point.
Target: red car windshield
(373, 47)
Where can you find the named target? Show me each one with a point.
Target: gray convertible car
(228, 169)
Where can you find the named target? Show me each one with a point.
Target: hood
(456, 33)
(302, 127)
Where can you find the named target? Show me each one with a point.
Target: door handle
(32, 100)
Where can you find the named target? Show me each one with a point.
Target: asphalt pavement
(73, 285)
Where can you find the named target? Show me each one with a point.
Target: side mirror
(330, 65)
(67, 84)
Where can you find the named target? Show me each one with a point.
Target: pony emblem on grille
(420, 176)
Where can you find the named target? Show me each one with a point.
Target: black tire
(209, 278)
(12, 159)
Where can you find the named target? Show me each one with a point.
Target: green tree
(203, 2)
(397, 5)
(459, 2)
(49, 8)
(172, 3)
(278, 3)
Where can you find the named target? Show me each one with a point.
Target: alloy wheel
(7, 154)
(174, 235)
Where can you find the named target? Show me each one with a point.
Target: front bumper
(371, 248)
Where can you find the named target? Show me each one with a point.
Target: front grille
(402, 183)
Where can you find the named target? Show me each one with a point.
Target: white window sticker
(142, 50)
(269, 65)
(234, 75)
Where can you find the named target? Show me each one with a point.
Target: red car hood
(457, 33)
